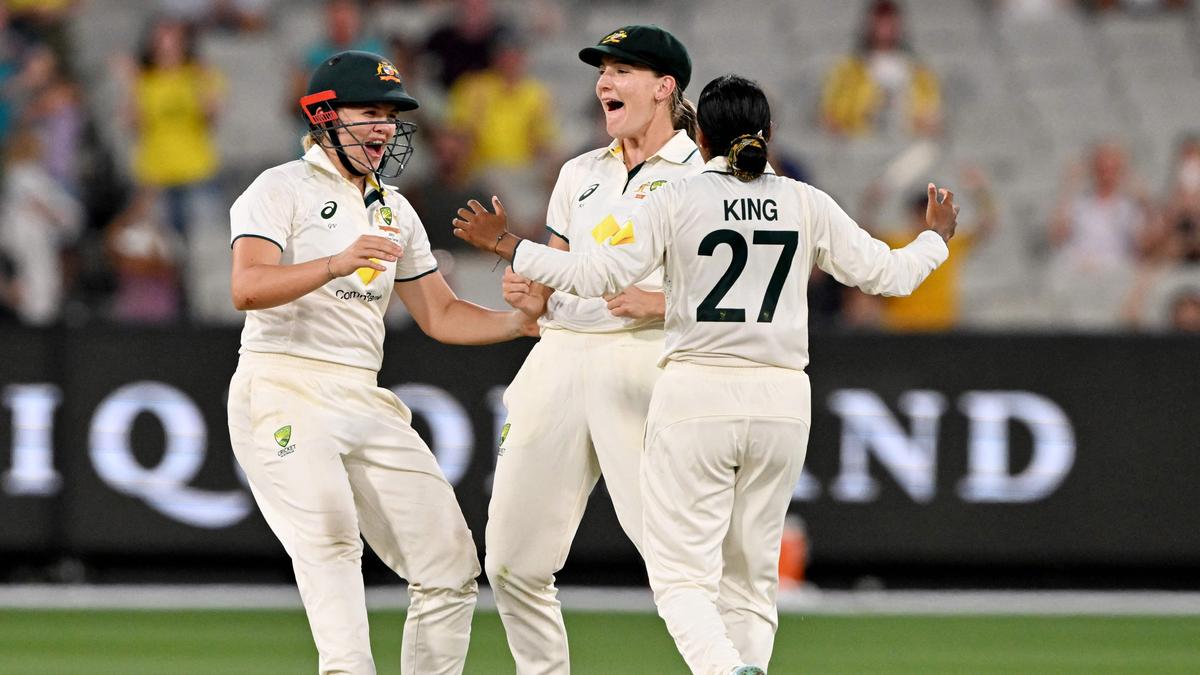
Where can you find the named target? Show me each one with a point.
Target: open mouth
(374, 149)
(612, 105)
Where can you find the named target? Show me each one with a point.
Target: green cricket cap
(644, 45)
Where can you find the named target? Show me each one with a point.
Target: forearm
(465, 323)
(264, 286)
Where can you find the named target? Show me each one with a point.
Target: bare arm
(445, 317)
(259, 281)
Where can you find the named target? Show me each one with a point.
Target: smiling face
(365, 139)
(632, 97)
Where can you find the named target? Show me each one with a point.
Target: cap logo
(387, 72)
(614, 37)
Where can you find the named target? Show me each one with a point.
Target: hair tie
(735, 148)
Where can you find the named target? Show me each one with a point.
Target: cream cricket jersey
(592, 201)
(737, 258)
(310, 211)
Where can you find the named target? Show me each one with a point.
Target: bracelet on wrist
(496, 246)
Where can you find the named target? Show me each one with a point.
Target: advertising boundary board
(976, 449)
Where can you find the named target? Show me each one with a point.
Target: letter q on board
(163, 487)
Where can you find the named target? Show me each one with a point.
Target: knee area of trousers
(665, 592)
(504, 571)
(329, 549)
(455, 572)
(461, 595)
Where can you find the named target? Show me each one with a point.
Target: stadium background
(1044, 438)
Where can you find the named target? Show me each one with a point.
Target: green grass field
(59, 642)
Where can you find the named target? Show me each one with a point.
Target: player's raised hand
(522, 294)
(941, 213)
(484, 229)
(369, 250)
(635, 303)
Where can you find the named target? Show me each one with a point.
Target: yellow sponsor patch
(607, 228)
(624, 235)
(609, 232)
(367, 274)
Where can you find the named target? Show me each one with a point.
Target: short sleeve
(558, 213)
(265, 210)
(417, 260)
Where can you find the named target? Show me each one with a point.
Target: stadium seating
(1023, 96)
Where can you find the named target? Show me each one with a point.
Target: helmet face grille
(398, 151)
(395, 154)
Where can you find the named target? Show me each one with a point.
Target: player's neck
(637, 149)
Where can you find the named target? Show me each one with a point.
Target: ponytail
(683, 113)
(748, 156)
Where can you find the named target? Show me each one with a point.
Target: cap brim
(594, 56)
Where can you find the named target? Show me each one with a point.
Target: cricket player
(577, 408)
(318, 245)
(729, 419)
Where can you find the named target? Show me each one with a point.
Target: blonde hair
(683, 113)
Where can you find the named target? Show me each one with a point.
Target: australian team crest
(386, 71)
(650, 186)
(283, 438)
(385, 220)
(614, 37)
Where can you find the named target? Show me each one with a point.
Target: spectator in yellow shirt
(508, 117)
(882, 87)
(935, 305)
(175, 101)
(507, 112)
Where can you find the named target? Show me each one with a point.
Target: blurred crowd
(85, 236)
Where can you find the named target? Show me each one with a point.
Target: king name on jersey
(750, 208)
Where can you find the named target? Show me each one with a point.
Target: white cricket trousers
(350, 463)
(576, 409)
(724, 449)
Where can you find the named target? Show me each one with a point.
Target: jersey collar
(315, 156)
(678, 150)
(721, 165)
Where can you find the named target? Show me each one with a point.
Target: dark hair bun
(748, 157)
